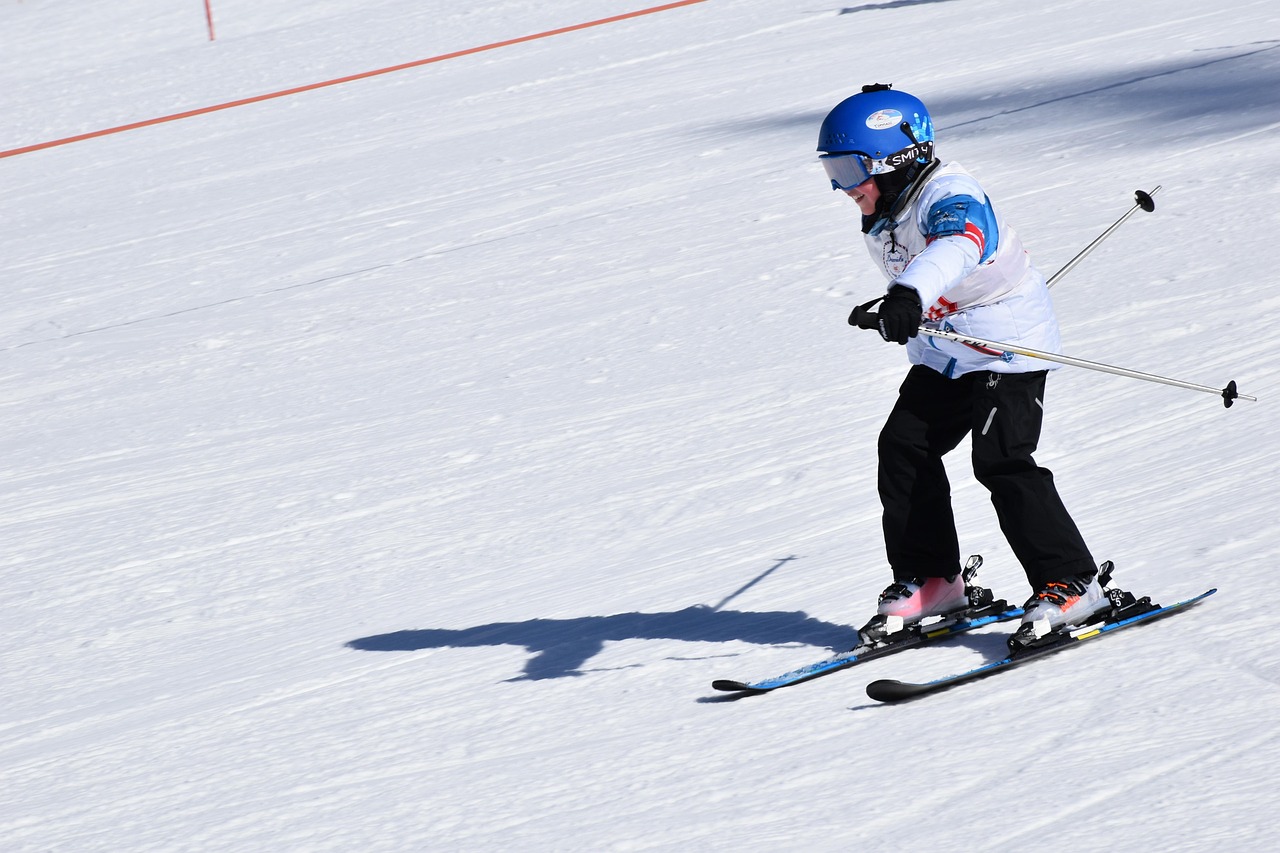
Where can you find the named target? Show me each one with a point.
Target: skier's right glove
(900, 314)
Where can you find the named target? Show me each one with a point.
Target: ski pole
(864, 318)
(1142, 200)
(1229, 394)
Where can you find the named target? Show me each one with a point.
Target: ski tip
(733, 686)
(892, 690)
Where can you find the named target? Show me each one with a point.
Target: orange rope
(340, 80)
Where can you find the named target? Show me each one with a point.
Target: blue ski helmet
(875, 132)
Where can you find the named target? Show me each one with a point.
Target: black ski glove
(900, 314)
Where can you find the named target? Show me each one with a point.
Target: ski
(908, 638)
(1126, 614)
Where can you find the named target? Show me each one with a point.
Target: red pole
(208, 14)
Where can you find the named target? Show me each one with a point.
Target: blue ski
(1139, 613)
(909, 638)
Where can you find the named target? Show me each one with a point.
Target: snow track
(394, 466)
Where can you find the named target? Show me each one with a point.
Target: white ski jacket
(946, 241)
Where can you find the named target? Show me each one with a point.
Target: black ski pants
(1003, 413)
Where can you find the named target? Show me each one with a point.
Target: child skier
(953, 262)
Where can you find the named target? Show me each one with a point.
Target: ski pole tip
(1230, 395)
(1144, 200)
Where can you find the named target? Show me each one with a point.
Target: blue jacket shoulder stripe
(965, 216)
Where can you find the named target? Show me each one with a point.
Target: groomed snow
(394, 466)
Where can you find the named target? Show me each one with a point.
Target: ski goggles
(846, 171)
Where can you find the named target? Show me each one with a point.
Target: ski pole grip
(864, 318)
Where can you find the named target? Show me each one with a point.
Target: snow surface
(394, 466)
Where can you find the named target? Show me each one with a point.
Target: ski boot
(1062, 606)
(905, 605)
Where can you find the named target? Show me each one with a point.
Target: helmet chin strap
(891, 185)
(897, 190)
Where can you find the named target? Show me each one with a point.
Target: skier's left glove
(900, 314)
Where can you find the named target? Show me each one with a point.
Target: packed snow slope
(393, 466)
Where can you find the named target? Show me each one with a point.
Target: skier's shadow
(562, 647)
